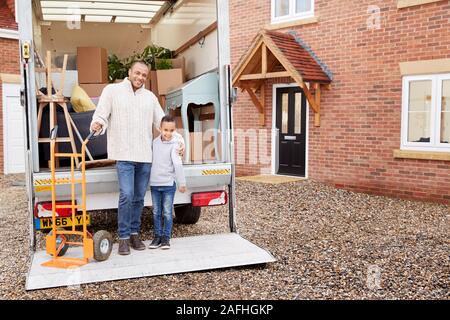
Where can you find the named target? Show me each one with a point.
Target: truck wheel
(187, 214)
(102, 245)
(61, 241)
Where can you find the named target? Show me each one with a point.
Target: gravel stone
(329, 244)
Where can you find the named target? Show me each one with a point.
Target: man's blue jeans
(162, 198)
(134, 178)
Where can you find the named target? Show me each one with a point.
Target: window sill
(293, 23)
(412, 3)
(424, 67)
(421, 155)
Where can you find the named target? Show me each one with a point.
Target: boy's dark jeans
(162, 198)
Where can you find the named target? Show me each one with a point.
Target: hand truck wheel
(102, 245)
(60, 243)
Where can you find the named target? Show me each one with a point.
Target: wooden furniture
(53, 101)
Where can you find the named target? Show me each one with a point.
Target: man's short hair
(139, 62)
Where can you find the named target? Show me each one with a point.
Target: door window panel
(285, 113)
(298, 113)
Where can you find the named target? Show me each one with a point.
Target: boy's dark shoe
(124, 248)
(165, 243)
(136, 243)
(156, 243)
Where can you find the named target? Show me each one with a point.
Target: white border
(274, 136)
(292, 16)
(9, 34)
(435, 126)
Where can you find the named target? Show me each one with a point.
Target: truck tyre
(187, 214)
(61, 239)
(102, 245)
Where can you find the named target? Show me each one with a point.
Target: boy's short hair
(168, 118)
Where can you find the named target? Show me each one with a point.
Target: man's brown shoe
(124, 248)
(136, 243)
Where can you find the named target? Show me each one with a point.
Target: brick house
(377, 55)
(9, 69)
(383, 126)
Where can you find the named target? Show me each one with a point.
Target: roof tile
(300, 56)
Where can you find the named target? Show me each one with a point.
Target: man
(130, 111)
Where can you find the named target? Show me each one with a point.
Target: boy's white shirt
(167, 165)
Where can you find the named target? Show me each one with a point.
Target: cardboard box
(178, 63)
(163, 81)
(209, 150)
(92, 64)
(196, 141)
(93, 89)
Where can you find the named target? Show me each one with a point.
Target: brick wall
(11, 5)
(361, 114)
(9, 58)
(7, 20)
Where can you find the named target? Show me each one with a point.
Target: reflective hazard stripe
(41, 182)
(215, 172)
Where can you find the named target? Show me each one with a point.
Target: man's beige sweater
(128, 115)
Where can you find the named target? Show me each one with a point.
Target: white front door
(13, 131)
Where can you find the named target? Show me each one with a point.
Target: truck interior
(178, 39)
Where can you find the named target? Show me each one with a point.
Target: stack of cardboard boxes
(163, 81)
(92, 66)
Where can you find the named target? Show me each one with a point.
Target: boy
(167, 168)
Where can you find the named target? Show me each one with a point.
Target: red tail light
(207, 199)
(44, 209)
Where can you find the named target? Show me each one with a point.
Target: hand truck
(99, 245)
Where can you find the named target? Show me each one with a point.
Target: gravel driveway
(329, 243)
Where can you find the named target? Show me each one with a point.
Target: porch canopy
(277, 55)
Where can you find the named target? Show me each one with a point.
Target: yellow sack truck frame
(58, 240)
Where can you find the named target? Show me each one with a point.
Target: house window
(289, 10)
(426, 113)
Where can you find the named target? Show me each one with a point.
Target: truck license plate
(62, 222)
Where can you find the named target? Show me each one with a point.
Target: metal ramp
(187, 254)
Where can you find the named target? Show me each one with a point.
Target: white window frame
(292, 16)
(9, 34)
(436, 107)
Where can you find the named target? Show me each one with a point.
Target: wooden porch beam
(262, 94)
(258, 76)
(317, 99)
(259, 103)
(264, 59)
(309, 97)
(241, 68)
